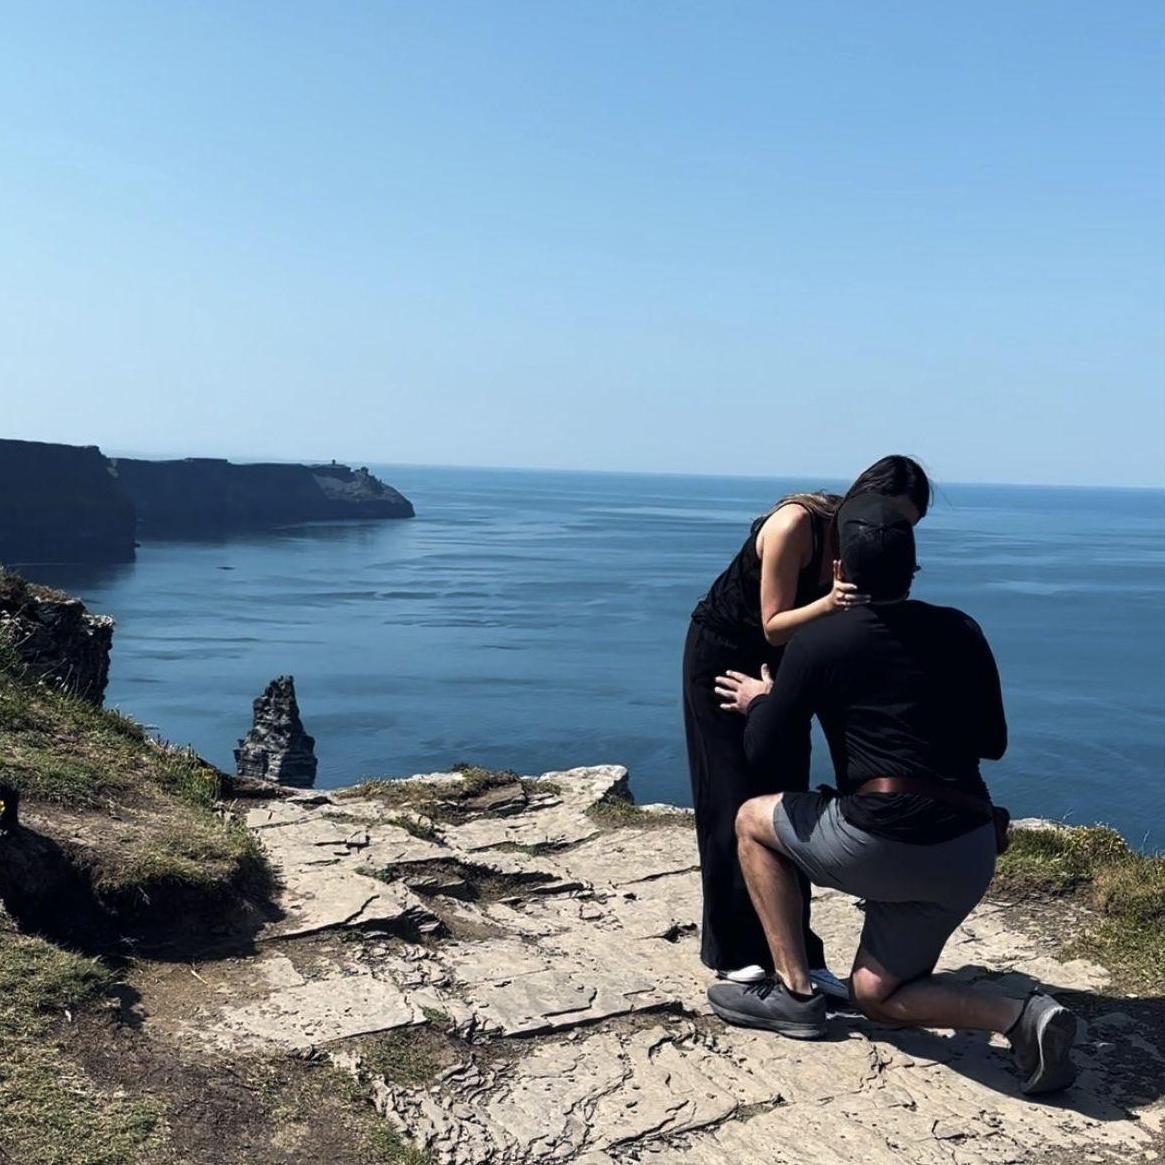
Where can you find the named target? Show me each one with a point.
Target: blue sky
(764, 238)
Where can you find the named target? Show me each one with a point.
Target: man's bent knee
(754, 820)
(870, 988)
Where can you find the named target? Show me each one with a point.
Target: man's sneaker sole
(1055, 1034)
(796, 1031)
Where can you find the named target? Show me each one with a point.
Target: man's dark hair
(877, 546)
(895, 476)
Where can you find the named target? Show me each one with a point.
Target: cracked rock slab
(561, 951)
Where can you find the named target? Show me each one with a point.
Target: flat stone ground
(543, 964)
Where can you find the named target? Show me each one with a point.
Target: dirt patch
(279, 1110)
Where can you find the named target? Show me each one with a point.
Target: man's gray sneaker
(1042, 1041)
(768, 1005)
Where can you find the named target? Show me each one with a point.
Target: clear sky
(715, 237)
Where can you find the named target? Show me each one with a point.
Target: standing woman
(781, 579)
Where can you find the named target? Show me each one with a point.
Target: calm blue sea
(535, 620)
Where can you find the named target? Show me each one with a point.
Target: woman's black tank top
(731, 608)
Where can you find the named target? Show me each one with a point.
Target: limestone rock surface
(544, 963)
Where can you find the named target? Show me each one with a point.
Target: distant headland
(71, 503)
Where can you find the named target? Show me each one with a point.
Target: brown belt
(931, 789)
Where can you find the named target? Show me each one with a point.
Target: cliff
(206, 496)
(62, 503)
(55, 638)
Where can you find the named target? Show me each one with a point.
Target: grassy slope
(143, 813)
(1124, 889)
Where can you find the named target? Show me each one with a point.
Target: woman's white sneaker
(750, 974)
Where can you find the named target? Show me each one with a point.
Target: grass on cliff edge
(145, 809)
(447, 802)
(1125, 889)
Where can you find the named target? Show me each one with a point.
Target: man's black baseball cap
(877, 546)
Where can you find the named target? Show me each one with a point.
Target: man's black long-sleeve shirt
(901, 690)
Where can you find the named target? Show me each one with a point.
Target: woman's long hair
(820, 503)
(896, 476)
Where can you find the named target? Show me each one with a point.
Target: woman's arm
(785, 546)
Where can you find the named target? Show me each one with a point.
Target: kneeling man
(908, 695)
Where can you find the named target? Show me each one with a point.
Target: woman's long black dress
(727, 633)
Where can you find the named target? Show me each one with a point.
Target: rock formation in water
(277, 748)
(62, 503)
(207, 496)
(56, 638)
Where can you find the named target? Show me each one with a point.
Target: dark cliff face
(62, 503)
(55, 637)
(209, 496)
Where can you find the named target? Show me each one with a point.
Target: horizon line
(244, 459)
(826, 478)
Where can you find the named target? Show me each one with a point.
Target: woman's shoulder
(789, 518)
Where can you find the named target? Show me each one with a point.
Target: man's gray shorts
(915, 894)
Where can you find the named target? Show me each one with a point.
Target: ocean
(535, 620)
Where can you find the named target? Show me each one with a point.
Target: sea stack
(277, 748)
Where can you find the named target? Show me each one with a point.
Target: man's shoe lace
(762, 989)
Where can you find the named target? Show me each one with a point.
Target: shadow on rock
(1116, 1050)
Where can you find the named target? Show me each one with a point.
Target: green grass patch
(449, 801)
(411, 1057)
(620, 813)
(40, 981)
(51, 1113)
(476, 780)
(1125, 889)
(421, 828)
(391, 1148)
(469, 881)
(196, 851)
(441, 1020)
(390, 792)
(533, 849)
(62, 750)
